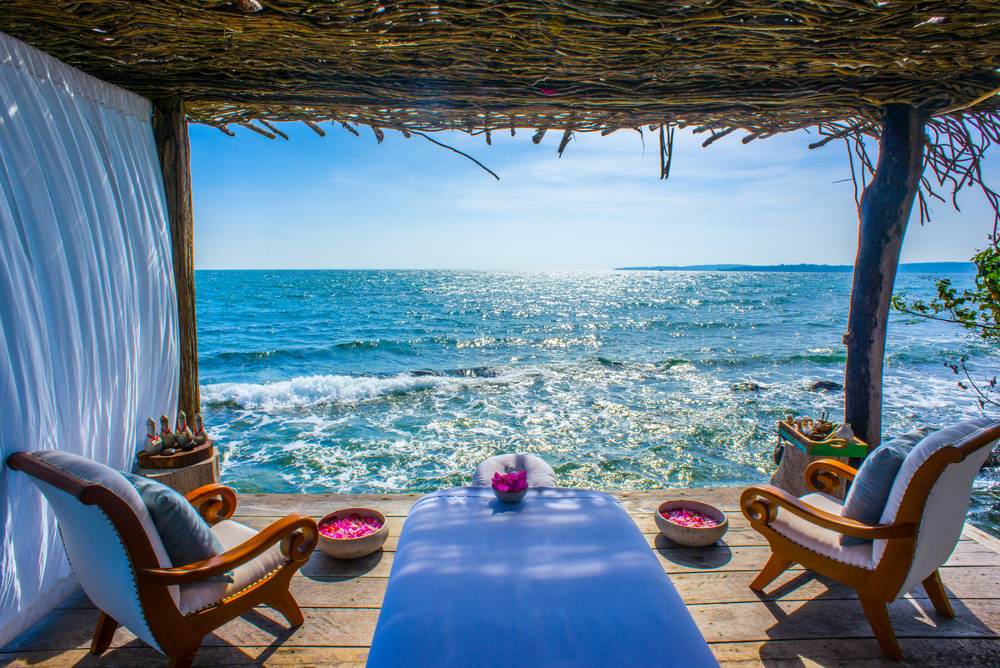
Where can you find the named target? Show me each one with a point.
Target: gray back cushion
(873, 483)
(186, 536)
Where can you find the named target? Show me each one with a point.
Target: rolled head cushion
(873, 483)
(186, 536)
(540, 474)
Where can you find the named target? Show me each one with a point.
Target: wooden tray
(179, 459)
(833, 447)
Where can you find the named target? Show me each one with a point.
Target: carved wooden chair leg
(286, 605)
(878, 617)
(937, 594)
(775, 566)
(103, 635)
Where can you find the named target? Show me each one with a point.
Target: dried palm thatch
(765, 66)
(417, 66)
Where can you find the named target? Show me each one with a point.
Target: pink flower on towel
(515, 481)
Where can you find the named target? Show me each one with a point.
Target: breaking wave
(322, 390)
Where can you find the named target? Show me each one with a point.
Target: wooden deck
(812, 622)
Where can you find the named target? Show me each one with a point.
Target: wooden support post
(885, 210)
(171, 132)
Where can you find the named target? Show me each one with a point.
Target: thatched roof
(761, 65)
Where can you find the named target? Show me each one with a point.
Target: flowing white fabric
(88, 325)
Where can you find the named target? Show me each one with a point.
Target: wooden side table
(799, 450)
(185, 479)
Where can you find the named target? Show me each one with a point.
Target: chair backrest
(106, 530)
(933, 489)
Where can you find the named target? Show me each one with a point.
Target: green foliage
(976, 308)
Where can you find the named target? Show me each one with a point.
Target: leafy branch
(976, 308)
(984, 395)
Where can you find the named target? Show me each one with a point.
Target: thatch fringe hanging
(315, 128)
(262, 132)
(273, 128)
(666, 150)
(350, 128)
(452, 148)
(567, 135)
(715, 137)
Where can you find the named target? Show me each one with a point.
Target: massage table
(563, 578)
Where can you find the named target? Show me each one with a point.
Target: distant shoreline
(905, 268)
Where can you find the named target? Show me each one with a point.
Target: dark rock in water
(478, 372)
(747, 386)
(424, 372)
(825, 385)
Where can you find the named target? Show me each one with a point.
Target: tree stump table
(185, 470)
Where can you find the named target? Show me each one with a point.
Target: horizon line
(721, 266)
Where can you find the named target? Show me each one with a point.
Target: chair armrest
(214, 502)
(825, 475)
(760, 505)
(297, 533)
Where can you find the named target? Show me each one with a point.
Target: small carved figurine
(188, 440)
(182, 432)
(153, 442)
(200, 437)
(166, 436)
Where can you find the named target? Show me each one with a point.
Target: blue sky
(347, 202)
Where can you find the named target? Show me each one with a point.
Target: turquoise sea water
(402, 381)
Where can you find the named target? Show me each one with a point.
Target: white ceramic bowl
(691, 536)
(353, 548)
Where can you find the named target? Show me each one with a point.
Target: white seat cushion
(200, 595)
(540, 474)
(817, 539)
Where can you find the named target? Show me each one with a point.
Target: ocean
(402, 381)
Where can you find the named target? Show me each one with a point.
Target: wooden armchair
(900, 554)
(120, 561)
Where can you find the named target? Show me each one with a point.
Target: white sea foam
(323, 390)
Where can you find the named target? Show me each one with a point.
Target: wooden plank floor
(811, 622)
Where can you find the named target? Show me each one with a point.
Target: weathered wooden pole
(171, 132)
(885, 209)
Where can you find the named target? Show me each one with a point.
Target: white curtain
(88, 325)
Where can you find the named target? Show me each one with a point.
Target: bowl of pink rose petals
(691, 523)
(352, 533)
(510, 487)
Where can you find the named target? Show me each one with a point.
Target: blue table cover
(563, 578)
